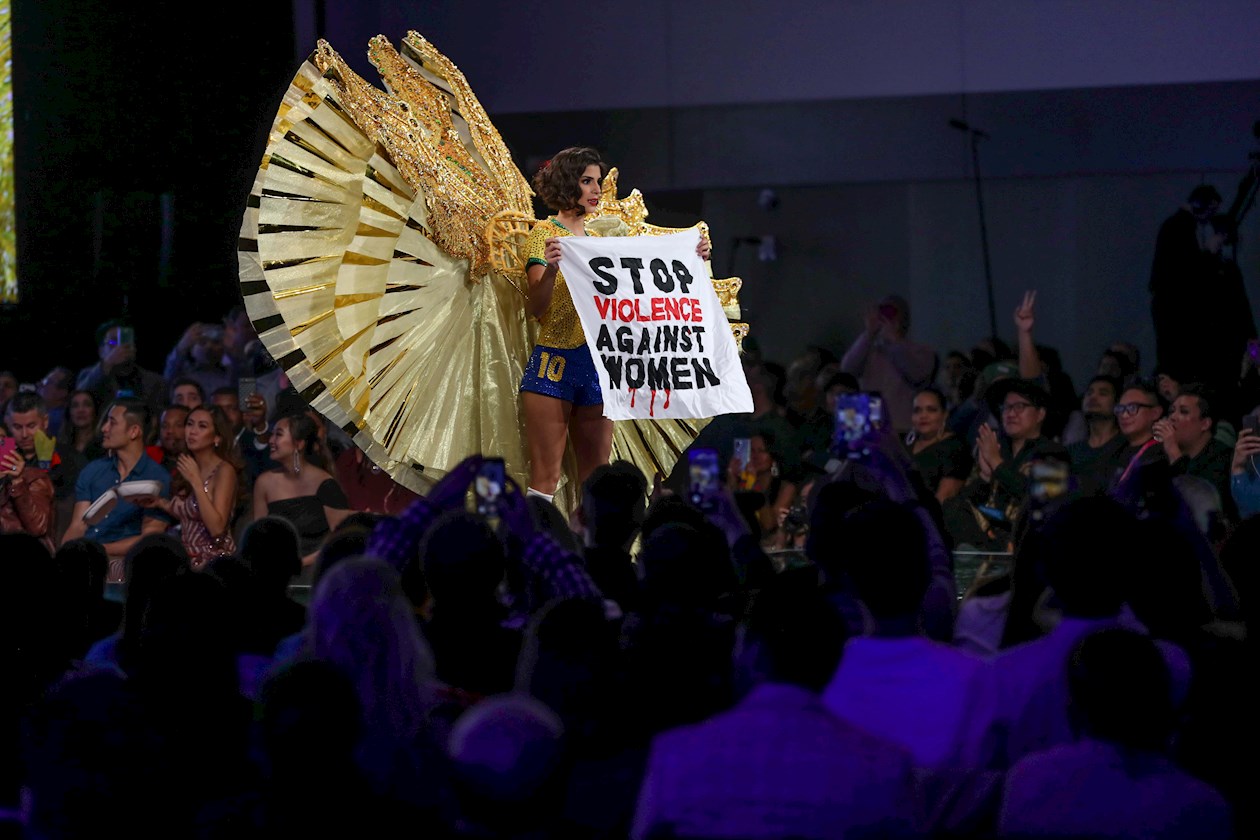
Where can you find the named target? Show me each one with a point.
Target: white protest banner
(659, 338)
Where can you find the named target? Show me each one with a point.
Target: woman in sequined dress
(205, 486)
(560, 392)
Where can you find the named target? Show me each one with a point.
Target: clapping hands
(988, 451)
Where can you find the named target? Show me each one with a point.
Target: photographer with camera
(1181, 239)
(1202, 315)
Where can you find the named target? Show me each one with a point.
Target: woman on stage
(560, 390)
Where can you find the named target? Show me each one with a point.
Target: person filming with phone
(199, 356)
(763, 489)
(1244, 479)
(27, 495)
(117, 373)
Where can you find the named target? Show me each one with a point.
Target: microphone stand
(976, 136)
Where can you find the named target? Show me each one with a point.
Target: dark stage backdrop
(139, 132)
(138, 129)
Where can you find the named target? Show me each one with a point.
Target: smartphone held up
(8, 445)
(488, 487)
(859, 417)
(704, 474)
(246, 387)
(745, 477)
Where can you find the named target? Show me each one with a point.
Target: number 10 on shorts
(550, 366)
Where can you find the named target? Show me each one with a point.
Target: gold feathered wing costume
(381, 262)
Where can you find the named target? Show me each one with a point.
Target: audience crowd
(225, 622)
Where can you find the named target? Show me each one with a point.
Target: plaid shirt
(550, 571)
(396, 539)
(555, 573)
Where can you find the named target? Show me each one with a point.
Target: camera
(796, 520)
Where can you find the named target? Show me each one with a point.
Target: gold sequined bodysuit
(560, 325)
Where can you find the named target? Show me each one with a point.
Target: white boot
(532, 492)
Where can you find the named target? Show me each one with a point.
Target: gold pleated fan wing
(364, 261)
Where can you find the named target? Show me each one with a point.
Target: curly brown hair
(556, 183)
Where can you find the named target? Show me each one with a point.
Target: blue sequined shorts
(564, 374)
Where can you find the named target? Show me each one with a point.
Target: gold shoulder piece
(438, 136)
(507, 235)
(471, 123)
(728, 295)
